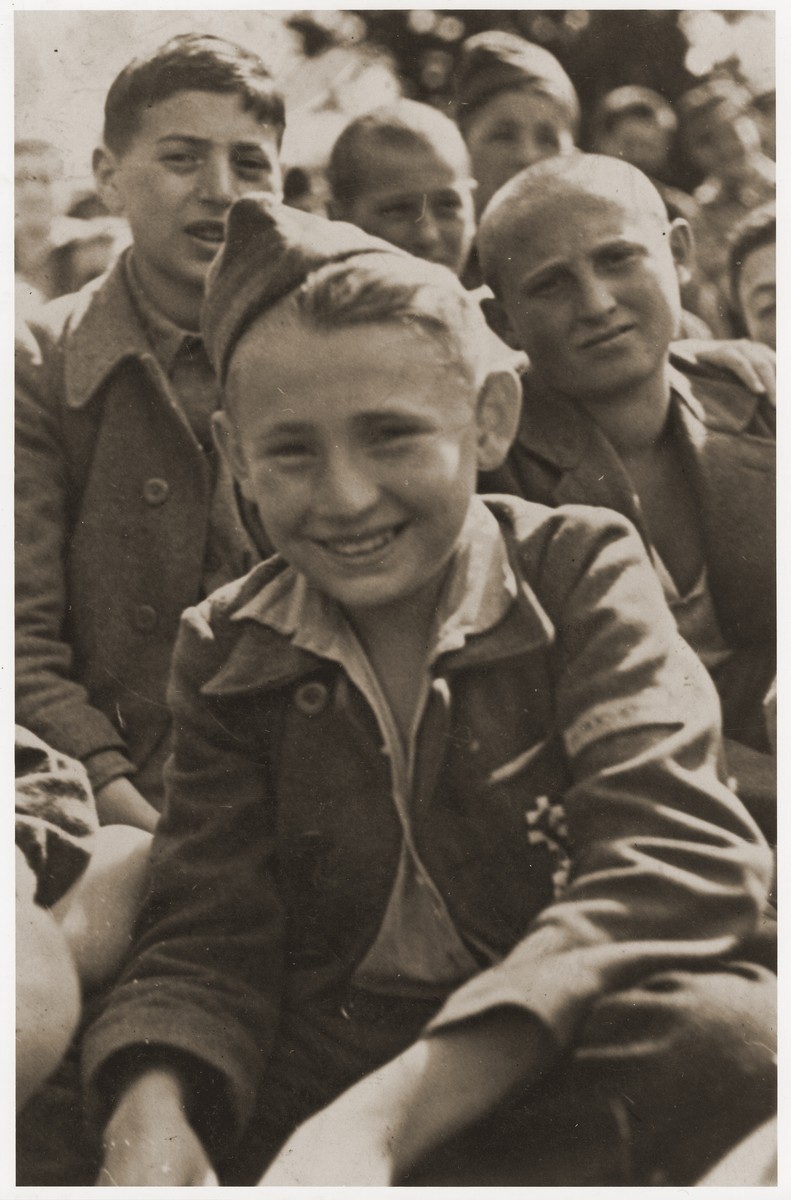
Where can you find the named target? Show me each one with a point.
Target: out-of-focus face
(590, 288)
(637, 140)
(192, 156)
(358, 447)
(757, 294)
(35, 174)
(513, 130)
(418, 199)
(722, 143)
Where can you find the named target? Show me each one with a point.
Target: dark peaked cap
(270, 249)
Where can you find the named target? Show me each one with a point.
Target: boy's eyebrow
(198, 142)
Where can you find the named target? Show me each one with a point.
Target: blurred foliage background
(336, 63)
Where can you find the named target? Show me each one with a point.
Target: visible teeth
(361, 546)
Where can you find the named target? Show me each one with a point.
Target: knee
(717, 1027)
(47, 998)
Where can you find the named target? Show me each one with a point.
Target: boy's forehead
(384, 166)
(200, 114)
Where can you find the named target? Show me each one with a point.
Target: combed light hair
(382, 288)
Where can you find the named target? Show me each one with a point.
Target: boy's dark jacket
(727, 437)
(114, 499)
(579, 731)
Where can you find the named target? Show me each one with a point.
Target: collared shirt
(183, 358)
(418, 950)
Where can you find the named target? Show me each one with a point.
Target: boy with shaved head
(585, 268)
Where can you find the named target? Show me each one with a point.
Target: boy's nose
(346, 489)
(427, 231)
(216, 182)
(595, 296)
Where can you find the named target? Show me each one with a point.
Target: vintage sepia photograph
(395, 598)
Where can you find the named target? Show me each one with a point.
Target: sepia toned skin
(758, 294)
(513, 130)
(192, 156)
(418, 198)
(366, 496)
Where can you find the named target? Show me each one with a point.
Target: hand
(330, 1152)
(120, 803)
(150, 1143)
(754, 363)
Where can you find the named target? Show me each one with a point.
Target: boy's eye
(180, 158)
(392, 433)
(548, 137)
(504, 133)
(251, 165)
(288, 452)
(402, 210)
(619, 256)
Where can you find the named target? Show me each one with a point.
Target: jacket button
(144, 618)
(156, 491)
(311, 698)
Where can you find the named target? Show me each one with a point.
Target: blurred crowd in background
(688, 96)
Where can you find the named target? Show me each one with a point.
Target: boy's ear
(498, 408)
(497, 319)
(682, 247)
(226, 439)
(105, 172)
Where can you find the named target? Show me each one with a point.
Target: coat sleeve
(204, 980)
(50, 700)
(667, 869)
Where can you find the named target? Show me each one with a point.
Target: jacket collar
(105, 330)
(562, 433)
(264, 658)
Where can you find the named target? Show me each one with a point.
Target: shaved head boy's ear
(682, 247)
(226, 439)
(105, 169)
(497, 319)
(497, 414)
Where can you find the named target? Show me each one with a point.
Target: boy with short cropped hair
(445, 841)
(124, 514)
(585, 268)
(402, 173)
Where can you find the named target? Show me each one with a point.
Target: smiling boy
(124, 514)
(402, 173)
(443, 797)
(585, 267)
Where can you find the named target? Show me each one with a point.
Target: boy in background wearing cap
(444, 835)
(402, 173)
(515, 105)
(585, 269)
(124, 514)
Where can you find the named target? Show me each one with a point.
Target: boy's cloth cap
(269, 251)
(635, 99)
(496, 61)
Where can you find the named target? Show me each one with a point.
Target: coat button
(311, 698)
(144, 618)
(156, 491)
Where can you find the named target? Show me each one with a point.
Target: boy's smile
(192, 156)
(359, 448)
